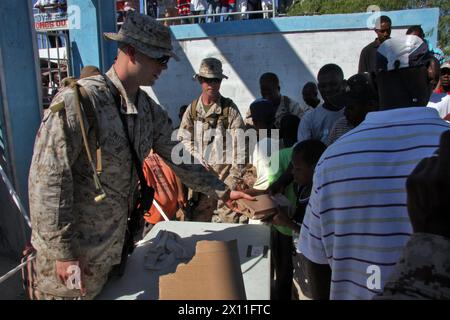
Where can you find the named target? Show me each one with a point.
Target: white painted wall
(294, 57)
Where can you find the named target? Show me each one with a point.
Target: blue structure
(20, 107)
(427, 18)
(88, 19)
(20, 78)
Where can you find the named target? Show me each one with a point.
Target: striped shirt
(340, 127)
(357, 217)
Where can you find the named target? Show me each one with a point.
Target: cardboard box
(214, 273)
(263, 207)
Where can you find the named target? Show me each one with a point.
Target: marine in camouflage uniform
(223, 116)
(423, 272)
(67, 223)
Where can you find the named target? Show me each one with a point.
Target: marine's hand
(78, 269)
(236, 195)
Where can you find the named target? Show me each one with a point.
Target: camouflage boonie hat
(210, 68)
(145, 34)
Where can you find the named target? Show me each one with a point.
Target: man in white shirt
(317, 124)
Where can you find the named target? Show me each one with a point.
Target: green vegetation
(317, 7)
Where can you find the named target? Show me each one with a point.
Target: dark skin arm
(283, 181)
(281, 219)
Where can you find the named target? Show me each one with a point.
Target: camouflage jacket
(211, 150)
(66, 221)
(287, 106)
(423, 272)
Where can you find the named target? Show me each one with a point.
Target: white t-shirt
(261, 161)
(318, 123)
(198, 5)
(440, 102)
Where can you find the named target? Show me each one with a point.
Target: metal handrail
(213, 15)
(273, 11)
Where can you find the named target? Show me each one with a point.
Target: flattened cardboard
(261, 208)
(214, 273)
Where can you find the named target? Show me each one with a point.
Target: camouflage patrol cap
(210, 68)
(145, 34)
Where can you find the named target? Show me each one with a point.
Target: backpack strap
(86, 105)
(88, 109)
(194, 110)
(225, 103)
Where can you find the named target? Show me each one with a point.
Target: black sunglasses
(163, 60)
(209, 81)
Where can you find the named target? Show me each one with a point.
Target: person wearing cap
(79, 214)
(270, 89)
(359, 98)
(207, 122)
(262, 112)
(357, 221)
(444, 81)
(368, 57)
(440, 99)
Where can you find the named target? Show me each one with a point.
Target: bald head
(270, 87)
(330, 78)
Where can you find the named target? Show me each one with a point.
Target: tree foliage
(317, 7)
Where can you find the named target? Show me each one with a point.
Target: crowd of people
(50, 5)
(188, 8)
(364, 167)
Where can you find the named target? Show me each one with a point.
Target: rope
(9, 274)
(15, 196)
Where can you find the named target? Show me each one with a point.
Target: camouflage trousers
(49, 287)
